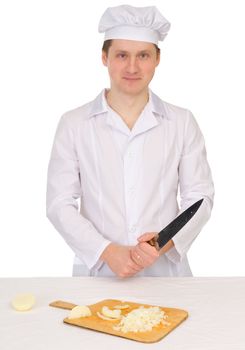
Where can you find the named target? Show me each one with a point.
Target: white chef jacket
(127, 182)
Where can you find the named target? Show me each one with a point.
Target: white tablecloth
(216, 309)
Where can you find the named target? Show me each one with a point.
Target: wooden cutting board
(94, 322)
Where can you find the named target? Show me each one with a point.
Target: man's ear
(104, 58)
(158, 58)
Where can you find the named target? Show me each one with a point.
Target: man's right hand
(119, 260)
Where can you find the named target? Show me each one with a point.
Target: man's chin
(133, 90)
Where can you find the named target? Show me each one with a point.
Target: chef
(129, 157)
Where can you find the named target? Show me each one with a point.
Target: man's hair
(107, 45)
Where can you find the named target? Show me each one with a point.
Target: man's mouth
(131, 78)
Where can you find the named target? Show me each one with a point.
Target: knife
(175, 226)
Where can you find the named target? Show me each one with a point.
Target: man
(126, 154)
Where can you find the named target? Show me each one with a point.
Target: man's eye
(121, 55)
(144, 55)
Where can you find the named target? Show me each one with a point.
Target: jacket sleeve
(195, 182)
(63, 191)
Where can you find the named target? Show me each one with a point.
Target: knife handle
(62, 304)
(153, 242)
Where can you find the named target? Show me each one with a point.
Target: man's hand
(118, 258)
(143, 253)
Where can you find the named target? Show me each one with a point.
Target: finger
(137, 259)
(131, 269)
(146, 258)
(135, 267)
(148, 249)
(134, 260)
(128, 270)
(146, 236)
(141, 258)
(144, 248)
(133, 263)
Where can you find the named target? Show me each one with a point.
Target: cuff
(173, 254)
(96, 263)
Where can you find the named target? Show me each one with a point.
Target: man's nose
(132, 66)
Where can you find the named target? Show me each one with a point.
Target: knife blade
(175, 226)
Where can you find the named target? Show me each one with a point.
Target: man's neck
(129, 107)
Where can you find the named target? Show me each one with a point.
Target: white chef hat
(134, 23)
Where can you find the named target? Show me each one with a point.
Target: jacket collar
(99, 105)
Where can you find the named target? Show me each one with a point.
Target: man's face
(131, 65)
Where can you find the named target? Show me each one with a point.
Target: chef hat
(134, 23)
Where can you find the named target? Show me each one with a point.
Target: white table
(216, 309)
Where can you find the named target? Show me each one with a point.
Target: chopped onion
(141, 319)
(107, 318)
(111, 313)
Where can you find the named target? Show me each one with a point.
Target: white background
(50, 63)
